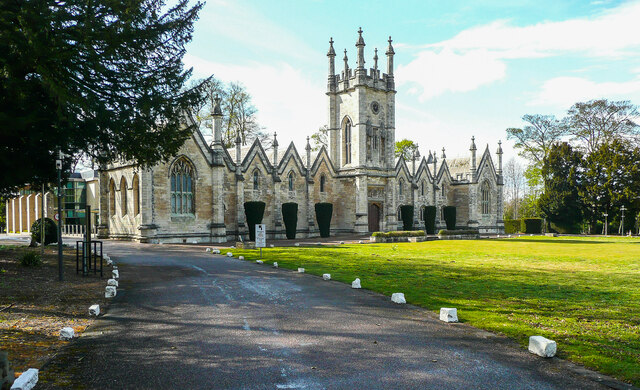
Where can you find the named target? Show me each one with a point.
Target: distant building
(199, 194)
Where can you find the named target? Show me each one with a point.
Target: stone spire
(473, 149)
(217, 121)
(444, 156)
(360, 45)
(499, 153)
(275, 149)
(238, 150)
(375, 60)
(308, 149)
(390, 53)
(332, 66)
(346, 69)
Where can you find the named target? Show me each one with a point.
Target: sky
(462, 68)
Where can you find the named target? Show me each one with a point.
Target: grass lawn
(582, 292)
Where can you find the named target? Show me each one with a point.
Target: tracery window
(347, 142)
(256, 180)
(182, 187)
(291, 181)
(123, 195)
(486, 198)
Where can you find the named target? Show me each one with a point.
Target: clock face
(375, 107)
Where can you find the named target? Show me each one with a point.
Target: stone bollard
(115, 274)
(449, 314)
(297, 244)
(259, 261)
(301, 270)
(326, 276)
(112, 282)
(229, 254)
(109, 262)
(240, 257)
(341, 242)
(275, 264)
(208, 250)
(542, 346)
(66, 333)
(110, 292)
(272, 246)
(356, 283)
(94, 310)
(398, 298)
(319, 244)
(360, 242)
(27, 380)
(215, 251)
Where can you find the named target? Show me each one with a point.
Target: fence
(77, 230)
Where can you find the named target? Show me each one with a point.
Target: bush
(406, 212)
(557, 227)
(512, 226)
(430, 219)
(254, 211)
(31, 259)
(50, 231)
(449, 213)
(290, 219)
(324, 211)
(461, 232)
(400, 233)
(531, 225)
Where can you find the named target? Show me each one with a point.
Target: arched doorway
(374, 217)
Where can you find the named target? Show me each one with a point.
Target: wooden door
(374, 217)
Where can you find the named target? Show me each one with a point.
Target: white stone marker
(112, 282)
(297, 244)
(94, 310)
(356, 283)
(27, 380)
(240, 257)
(110, 292)
(542, 346)
(208, 250)
(272, 246)
(216, 251)
(398, 298)
(448, 314)
(259, 262)
(341, 242)
(229, 254)
(301, 270)
(66, 333)
(115, 274)
(360, 242)
(275, 264)
(326, 276)
(109, 262)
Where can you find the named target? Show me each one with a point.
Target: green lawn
(582, 292)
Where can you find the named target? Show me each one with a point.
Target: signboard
(56, 216)
(261, 235)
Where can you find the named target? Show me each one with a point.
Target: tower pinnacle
(360, 45)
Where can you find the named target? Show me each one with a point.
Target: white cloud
(565, 91)
(477, 56)
(287, 101)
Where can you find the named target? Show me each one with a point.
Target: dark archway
(374, 217)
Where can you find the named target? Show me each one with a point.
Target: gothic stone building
(199, 195)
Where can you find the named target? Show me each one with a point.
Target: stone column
(362, 206)
(103, 189)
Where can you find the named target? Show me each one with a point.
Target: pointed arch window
(485, 198)
(347, 142)
(291, 179)
(182, 187)
(401, 187)
(323, 180)
(256, 180)
(135, 185)
(123, 195)
(112, 198)
(422, 188)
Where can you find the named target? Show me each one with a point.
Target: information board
(261, 235)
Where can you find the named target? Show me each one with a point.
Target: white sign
(261, 235)
(56, 216)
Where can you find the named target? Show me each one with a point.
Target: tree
(406, 149)
(514, 186)
(320, 138)
(560, 203)
(534, 140)
(100, 78)
(598, 122)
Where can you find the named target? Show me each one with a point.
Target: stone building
(198, 195)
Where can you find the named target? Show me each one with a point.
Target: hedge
(290, 218)
(50, 231)
(449, 213)
(429, 215)
(406, 212)
(324, 211)
(400, 233)
(254, 211)
(531, 225)
(512, 226)
(461, 232)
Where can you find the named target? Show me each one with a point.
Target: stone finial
(275, 139)
(473, 144)
(430, 158)
(308, 147)
(499, 151)
(331, 52)
(444, 156)
(375, 59)
(390, 48)
(390, 53)
(217, 110)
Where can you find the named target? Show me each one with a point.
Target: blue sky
(463, 68)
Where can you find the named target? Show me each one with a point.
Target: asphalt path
(186, 319)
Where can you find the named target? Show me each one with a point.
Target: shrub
(512, 226)
(531, 225)
(400, 233)
(50, 231)
(430, 219)
(406, 212)
(565, 228)
(290, 218)
(449, 213)
(254, 211)
(324, 211)
(461, 232)
(31, 259)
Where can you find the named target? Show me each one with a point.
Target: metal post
(621, 229)
(87, 239)
(42, 241)
(605, 224)
(59, 167)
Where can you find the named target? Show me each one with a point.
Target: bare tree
(514, 182)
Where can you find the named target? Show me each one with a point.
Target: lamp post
(621, 229)
(59, 169)
(604, 228)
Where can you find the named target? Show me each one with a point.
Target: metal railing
(77, 230)
(85, 256)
